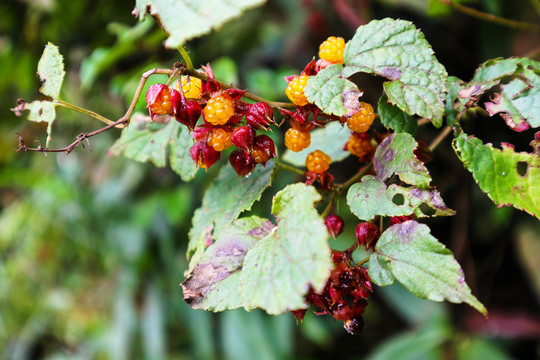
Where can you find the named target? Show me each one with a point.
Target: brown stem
(490, 17)
(84, 136)
(439, 138)
(248, 95)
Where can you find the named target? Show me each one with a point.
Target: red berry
(318, 162)
(297, 140)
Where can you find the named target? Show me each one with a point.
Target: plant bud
(354, 325)
(263, 149)
(334, 224)
(367, 234)
(241, 162)
(204, 155)
(260, 116)
(242, 137)
(188, 113)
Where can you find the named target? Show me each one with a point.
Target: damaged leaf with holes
(51, 73)
(395, 157)
(256, 264)
(513, 86)
(509, 178)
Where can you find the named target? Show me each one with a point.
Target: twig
(355, 178)
(82, 111)
(248, 95)
(439, 138)
(84, 136)
(490, 17)
(328, 208)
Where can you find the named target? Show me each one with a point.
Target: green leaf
(453, 103)
(255, 264)
(41, 111)
(145, 141)
(395, 155)
(180, 157)
(371, 197)
(332, 92)
(396, 50)
(394, 118)
(223, 201)
(515, 83)
(507, 177)
(51, 71)
(319, 140)
(185, 19)
(408, 253)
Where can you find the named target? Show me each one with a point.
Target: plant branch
(187, 59)
(247, 95)
(328, 208)
(83, 111)
(288, 167)
(439, 138)
(362, 262)
(355, 178)
(84, 136)
(490, 17)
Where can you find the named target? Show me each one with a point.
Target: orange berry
(219, 139)
(318, 162)
(163, 104)
(332, 50)
(191, 86)
(219, 109)
(362, 120)
(296, 140)
(359, 144)
(295, 90)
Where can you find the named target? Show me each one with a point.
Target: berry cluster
(308, 116)
(222, 111)
(345, 295)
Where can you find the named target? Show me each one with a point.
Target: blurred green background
(92, 247)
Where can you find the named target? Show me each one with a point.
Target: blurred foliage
(92, 247)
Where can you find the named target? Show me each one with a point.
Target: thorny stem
(490, 17)
(439, 138)
(84, 136)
